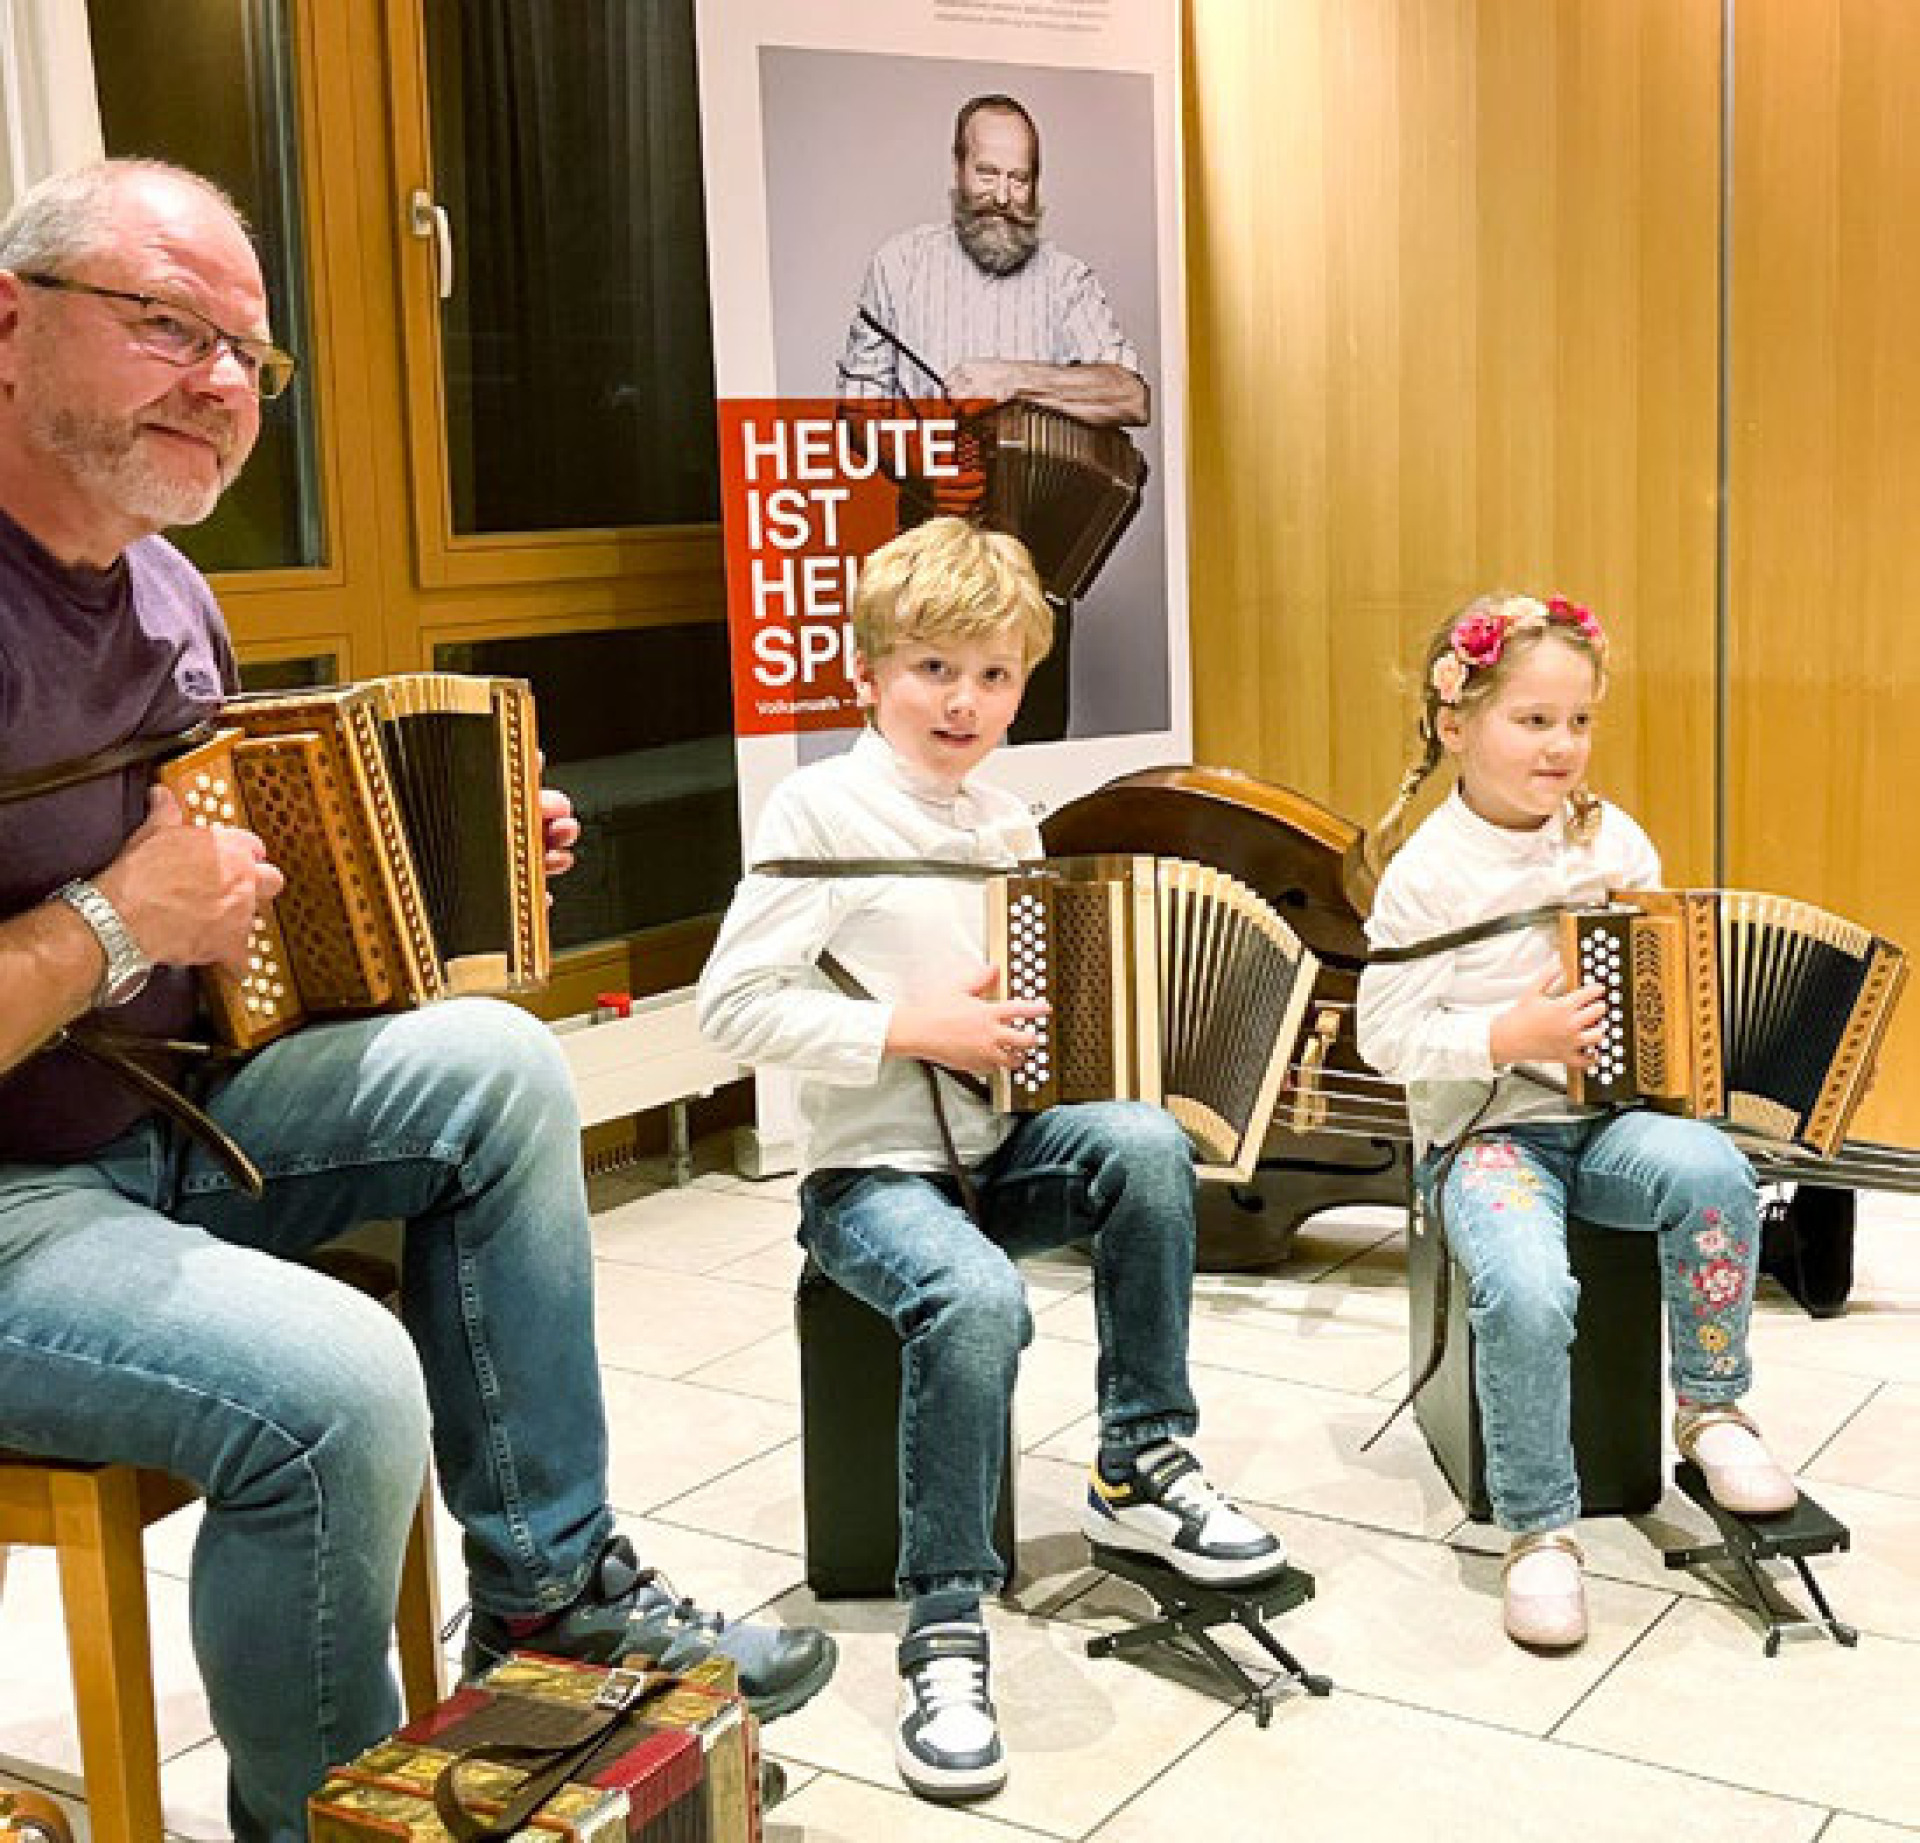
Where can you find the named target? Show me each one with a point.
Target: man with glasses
(174, 332)
(153, 1314)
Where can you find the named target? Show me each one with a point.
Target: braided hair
(1467, 658)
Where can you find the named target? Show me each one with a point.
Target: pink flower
(1449, 678)
(1720, 1283)
(1559, 608)
(1478, 638)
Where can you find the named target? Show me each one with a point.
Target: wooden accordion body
(1735, 1006)
(405, 815)
(1065, 488)
(1169, 982)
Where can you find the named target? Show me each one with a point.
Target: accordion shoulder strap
(985, 873)
(852, 987)
(35, 782)
(119, 1052)
(950, 869)
(546, 1764)
(906, 351)
(969, 1197)
(1476, 931)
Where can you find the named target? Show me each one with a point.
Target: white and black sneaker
(948, 1742)
(1167, 1510)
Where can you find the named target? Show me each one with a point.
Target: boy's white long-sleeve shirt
(763, 998)
(1427, 1022)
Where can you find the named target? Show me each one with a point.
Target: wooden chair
(92, 1517)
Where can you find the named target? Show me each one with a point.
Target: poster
(945, 252)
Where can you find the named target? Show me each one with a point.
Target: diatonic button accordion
(1736, 1006)
(404, 813)
(1066, 489)
(1168, 981)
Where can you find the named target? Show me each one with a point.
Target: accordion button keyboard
(210, 802)
(1027, 978)
(1602, 962)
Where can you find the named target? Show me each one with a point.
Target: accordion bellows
(1169, 982)
(405, 815)
(1736, 1006)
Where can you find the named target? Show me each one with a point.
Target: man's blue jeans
(1116, 1171)
(160, 1318)
(1507, 1199)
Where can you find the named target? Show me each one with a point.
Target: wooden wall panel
(1453, 294)
(1824, 743)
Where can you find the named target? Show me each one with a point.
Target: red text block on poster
(807, 492)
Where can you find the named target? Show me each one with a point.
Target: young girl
(1483, 1036)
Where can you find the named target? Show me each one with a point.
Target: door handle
(429, 221)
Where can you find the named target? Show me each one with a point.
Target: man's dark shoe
(625, 1607)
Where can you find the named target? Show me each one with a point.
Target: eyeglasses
(178, 335)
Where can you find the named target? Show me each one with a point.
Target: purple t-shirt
(91, 658)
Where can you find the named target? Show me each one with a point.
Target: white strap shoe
(1543, 1599)
(1741, 1474)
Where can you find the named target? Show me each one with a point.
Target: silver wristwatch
(128, 969)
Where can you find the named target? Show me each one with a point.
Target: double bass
(1351, 1146)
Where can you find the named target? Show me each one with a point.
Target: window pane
(214, 93)
(577, 349)
(637, 727)
(304, 674)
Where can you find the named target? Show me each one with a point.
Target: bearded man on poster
(980, 308)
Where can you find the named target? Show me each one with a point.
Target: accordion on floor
(1064, 488)
(405, 814)
(1169, 982)
(1735, 1006)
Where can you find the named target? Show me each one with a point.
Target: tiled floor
(1670, 1723)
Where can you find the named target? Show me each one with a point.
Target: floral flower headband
(1479, 638)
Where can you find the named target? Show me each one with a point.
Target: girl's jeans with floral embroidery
(1507, 1200)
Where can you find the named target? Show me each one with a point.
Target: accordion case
(405, 815)
(1168, 981)
(1735, 1006)
(682, 1766)
(1065, 488)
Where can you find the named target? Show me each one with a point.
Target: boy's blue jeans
(1506, 1204)
(1119, 1172)
(186, 1337)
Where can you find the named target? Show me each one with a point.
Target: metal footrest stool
(1806, 1529)
(1189, 1610)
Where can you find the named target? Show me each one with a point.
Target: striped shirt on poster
(945, 308)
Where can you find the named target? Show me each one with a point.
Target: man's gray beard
(999, 241)
(104, 453)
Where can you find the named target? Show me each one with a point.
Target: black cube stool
(1616, 1369)
(850, 1447)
